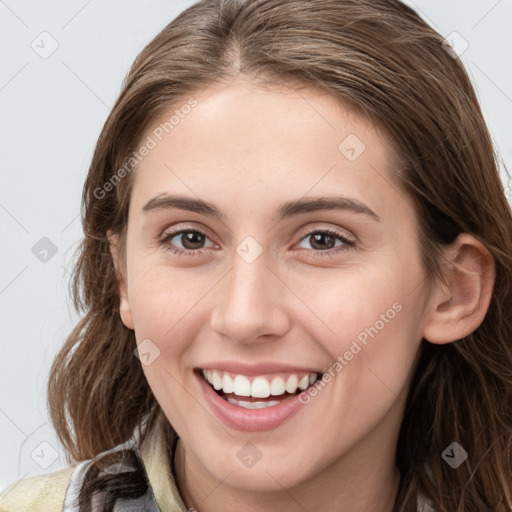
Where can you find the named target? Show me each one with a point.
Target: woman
(273, 372)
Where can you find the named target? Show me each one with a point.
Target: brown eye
(190, 239)
(323, 242)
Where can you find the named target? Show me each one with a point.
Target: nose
(250, 303)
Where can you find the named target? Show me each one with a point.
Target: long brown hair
(382, 58)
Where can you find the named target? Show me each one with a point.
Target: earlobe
(124, 305)
(457, 308)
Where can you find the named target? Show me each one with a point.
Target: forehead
(288, 138)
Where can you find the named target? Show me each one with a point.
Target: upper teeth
(260, 387)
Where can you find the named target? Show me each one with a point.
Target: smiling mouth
(258, 392)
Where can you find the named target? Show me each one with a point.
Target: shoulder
(58, 491)
(52, 492)
(37, 493)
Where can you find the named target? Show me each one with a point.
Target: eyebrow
(290, 208)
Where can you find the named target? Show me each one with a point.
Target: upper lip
(258, 368)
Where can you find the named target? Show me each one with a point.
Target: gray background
(52, 110)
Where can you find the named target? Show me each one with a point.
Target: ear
(124, 306)
(458, 308)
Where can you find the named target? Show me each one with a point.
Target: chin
(263, 476)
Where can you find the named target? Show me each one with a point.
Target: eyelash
(347, 244)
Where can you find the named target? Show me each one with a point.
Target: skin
(248, 149)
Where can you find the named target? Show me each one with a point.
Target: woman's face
(267, 288)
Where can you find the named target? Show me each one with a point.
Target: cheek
(158, 299)
(374, 321)
(165, 305)
(359, 303)
(162, 307)
(375, 346)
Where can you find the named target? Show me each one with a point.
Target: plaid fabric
(58, 491)
(114, 466)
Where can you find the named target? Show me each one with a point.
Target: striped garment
(57, 491)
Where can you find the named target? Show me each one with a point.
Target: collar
(162, 495)
(158, 469)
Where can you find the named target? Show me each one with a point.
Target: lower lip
(249, 420)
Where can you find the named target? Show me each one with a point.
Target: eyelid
(349, 241)
(338, 231)
(170, 233)
(183, 226)
(344, 233)
(319, 226)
